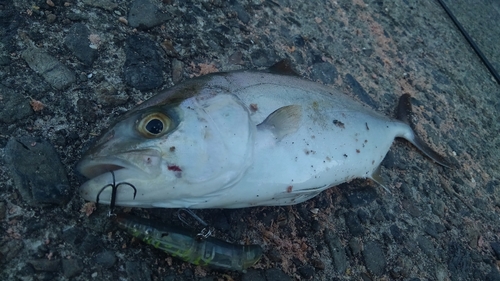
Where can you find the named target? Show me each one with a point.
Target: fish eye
(154, 125)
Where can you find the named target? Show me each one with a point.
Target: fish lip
(93, 166)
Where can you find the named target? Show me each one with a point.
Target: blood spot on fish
(174, 168)
(357, 150)
(253, 107)
(345, 155)
(338, 124)
(289, 188)
(172, 149)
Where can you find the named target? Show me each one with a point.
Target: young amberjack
(242, 139)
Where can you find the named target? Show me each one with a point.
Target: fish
(185, 245)
(242, 139)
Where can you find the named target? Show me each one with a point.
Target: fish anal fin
(283, 121)
(376, 177)
(283, 67)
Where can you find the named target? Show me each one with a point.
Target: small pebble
(51, 18)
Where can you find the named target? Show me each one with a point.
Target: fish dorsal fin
(283, 121)
(376, 177)
(283, 67)
(403, 114)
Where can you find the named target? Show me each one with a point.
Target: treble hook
(114, 189)
(205, 232)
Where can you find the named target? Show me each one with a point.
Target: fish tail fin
(404, 113)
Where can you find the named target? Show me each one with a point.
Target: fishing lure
(185, 245)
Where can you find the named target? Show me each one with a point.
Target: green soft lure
(184, 244)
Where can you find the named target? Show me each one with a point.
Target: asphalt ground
(68, 68)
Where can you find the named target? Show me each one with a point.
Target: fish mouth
(92, 167)
(99, 169)
(133, 168)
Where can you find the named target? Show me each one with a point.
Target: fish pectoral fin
(376, 177)
(283, 121)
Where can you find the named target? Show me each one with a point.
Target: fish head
(176, 155)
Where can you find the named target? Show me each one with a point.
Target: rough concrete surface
(435, 223)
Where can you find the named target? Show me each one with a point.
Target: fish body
(240, 139)
(186, 246)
